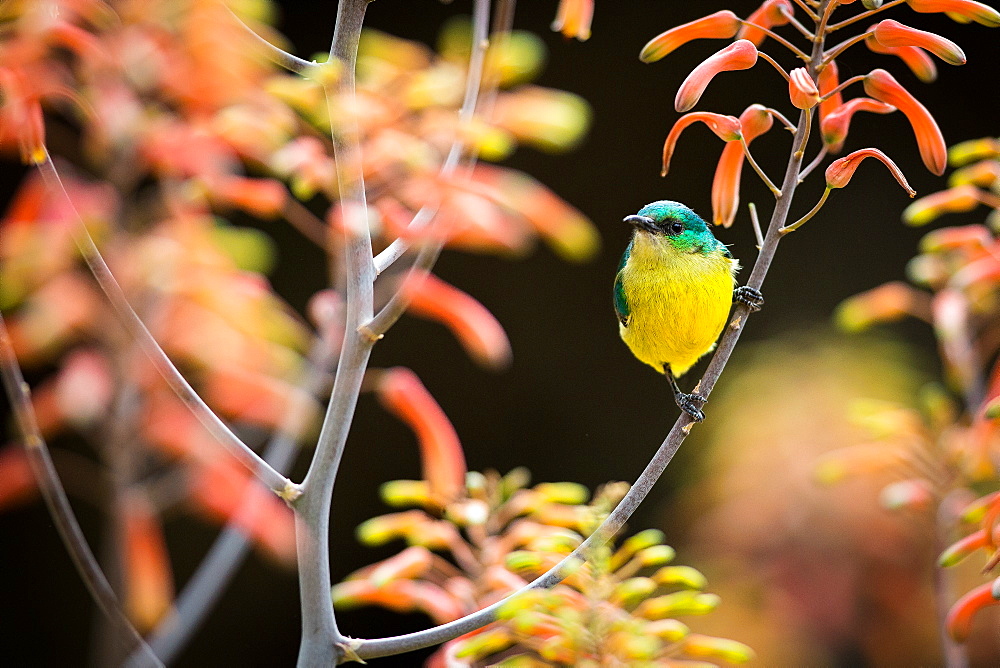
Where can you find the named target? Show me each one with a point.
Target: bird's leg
(749, 296)
(689, 403)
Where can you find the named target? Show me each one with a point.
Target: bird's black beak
(641, 222)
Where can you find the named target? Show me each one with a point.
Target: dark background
(574, 405)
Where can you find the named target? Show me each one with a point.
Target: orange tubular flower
(720, 25)
(886, 303)
(401, 596)
(574, 18)
(836, 124)
(224, 491)
(961, 549)
(839, 173)
(754, 121)
(149, 581)
(967, 10)
(953, 200)
(726, 128)
(894, 34)
(802, 89)
(17, 482)
(913, 57)
(264, 198)
(471, 323)
(402, 393)
(740, 55)
(828, 79)
(771, 14)
(959, 620)
(882, 86)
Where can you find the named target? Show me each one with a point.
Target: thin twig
(305, 221)
(835, 52)
(755, 222)
(807, 9)
(279, 56)
(777, 38)
(814, 164)
(794, 22)
(782, 119)
(774, 64)
(864, 15)
(278, 483)
(842, 86)
(757, 168)
(812, 212)
(58, 504)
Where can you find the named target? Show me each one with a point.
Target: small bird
(673, 291)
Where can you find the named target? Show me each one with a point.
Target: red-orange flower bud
(726, 128)
(882, 86)
(839, 173)
(754, 121)
(966, 10)
(261, 197)
(769, 15)
(573, 18)
(953, 200)
(802, 89)
(959, 620)
(149, 582)
(921, 64)
(827, 80)
(894, 34)
(441, 454)
(17, 482)
(720, 25)
(836, 124)
(740, 55)
(471, 323)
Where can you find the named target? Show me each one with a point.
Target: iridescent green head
(681, 227)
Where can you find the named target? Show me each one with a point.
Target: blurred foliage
(620, 607)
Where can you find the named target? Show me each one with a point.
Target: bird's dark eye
(675, 228)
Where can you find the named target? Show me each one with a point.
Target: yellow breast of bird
(678, 302)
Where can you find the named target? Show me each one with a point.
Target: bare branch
(55, 498)
(278, 483)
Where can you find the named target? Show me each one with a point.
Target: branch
(278, 483)
(58, 504)
(321, 639)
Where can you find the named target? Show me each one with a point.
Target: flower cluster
(943, 447)
(816, 85)
(620, 607)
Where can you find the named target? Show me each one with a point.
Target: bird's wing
(621, 301)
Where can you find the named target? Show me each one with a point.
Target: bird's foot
(749, 296)
(691, 404)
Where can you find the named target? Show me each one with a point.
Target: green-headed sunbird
(673, 291)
